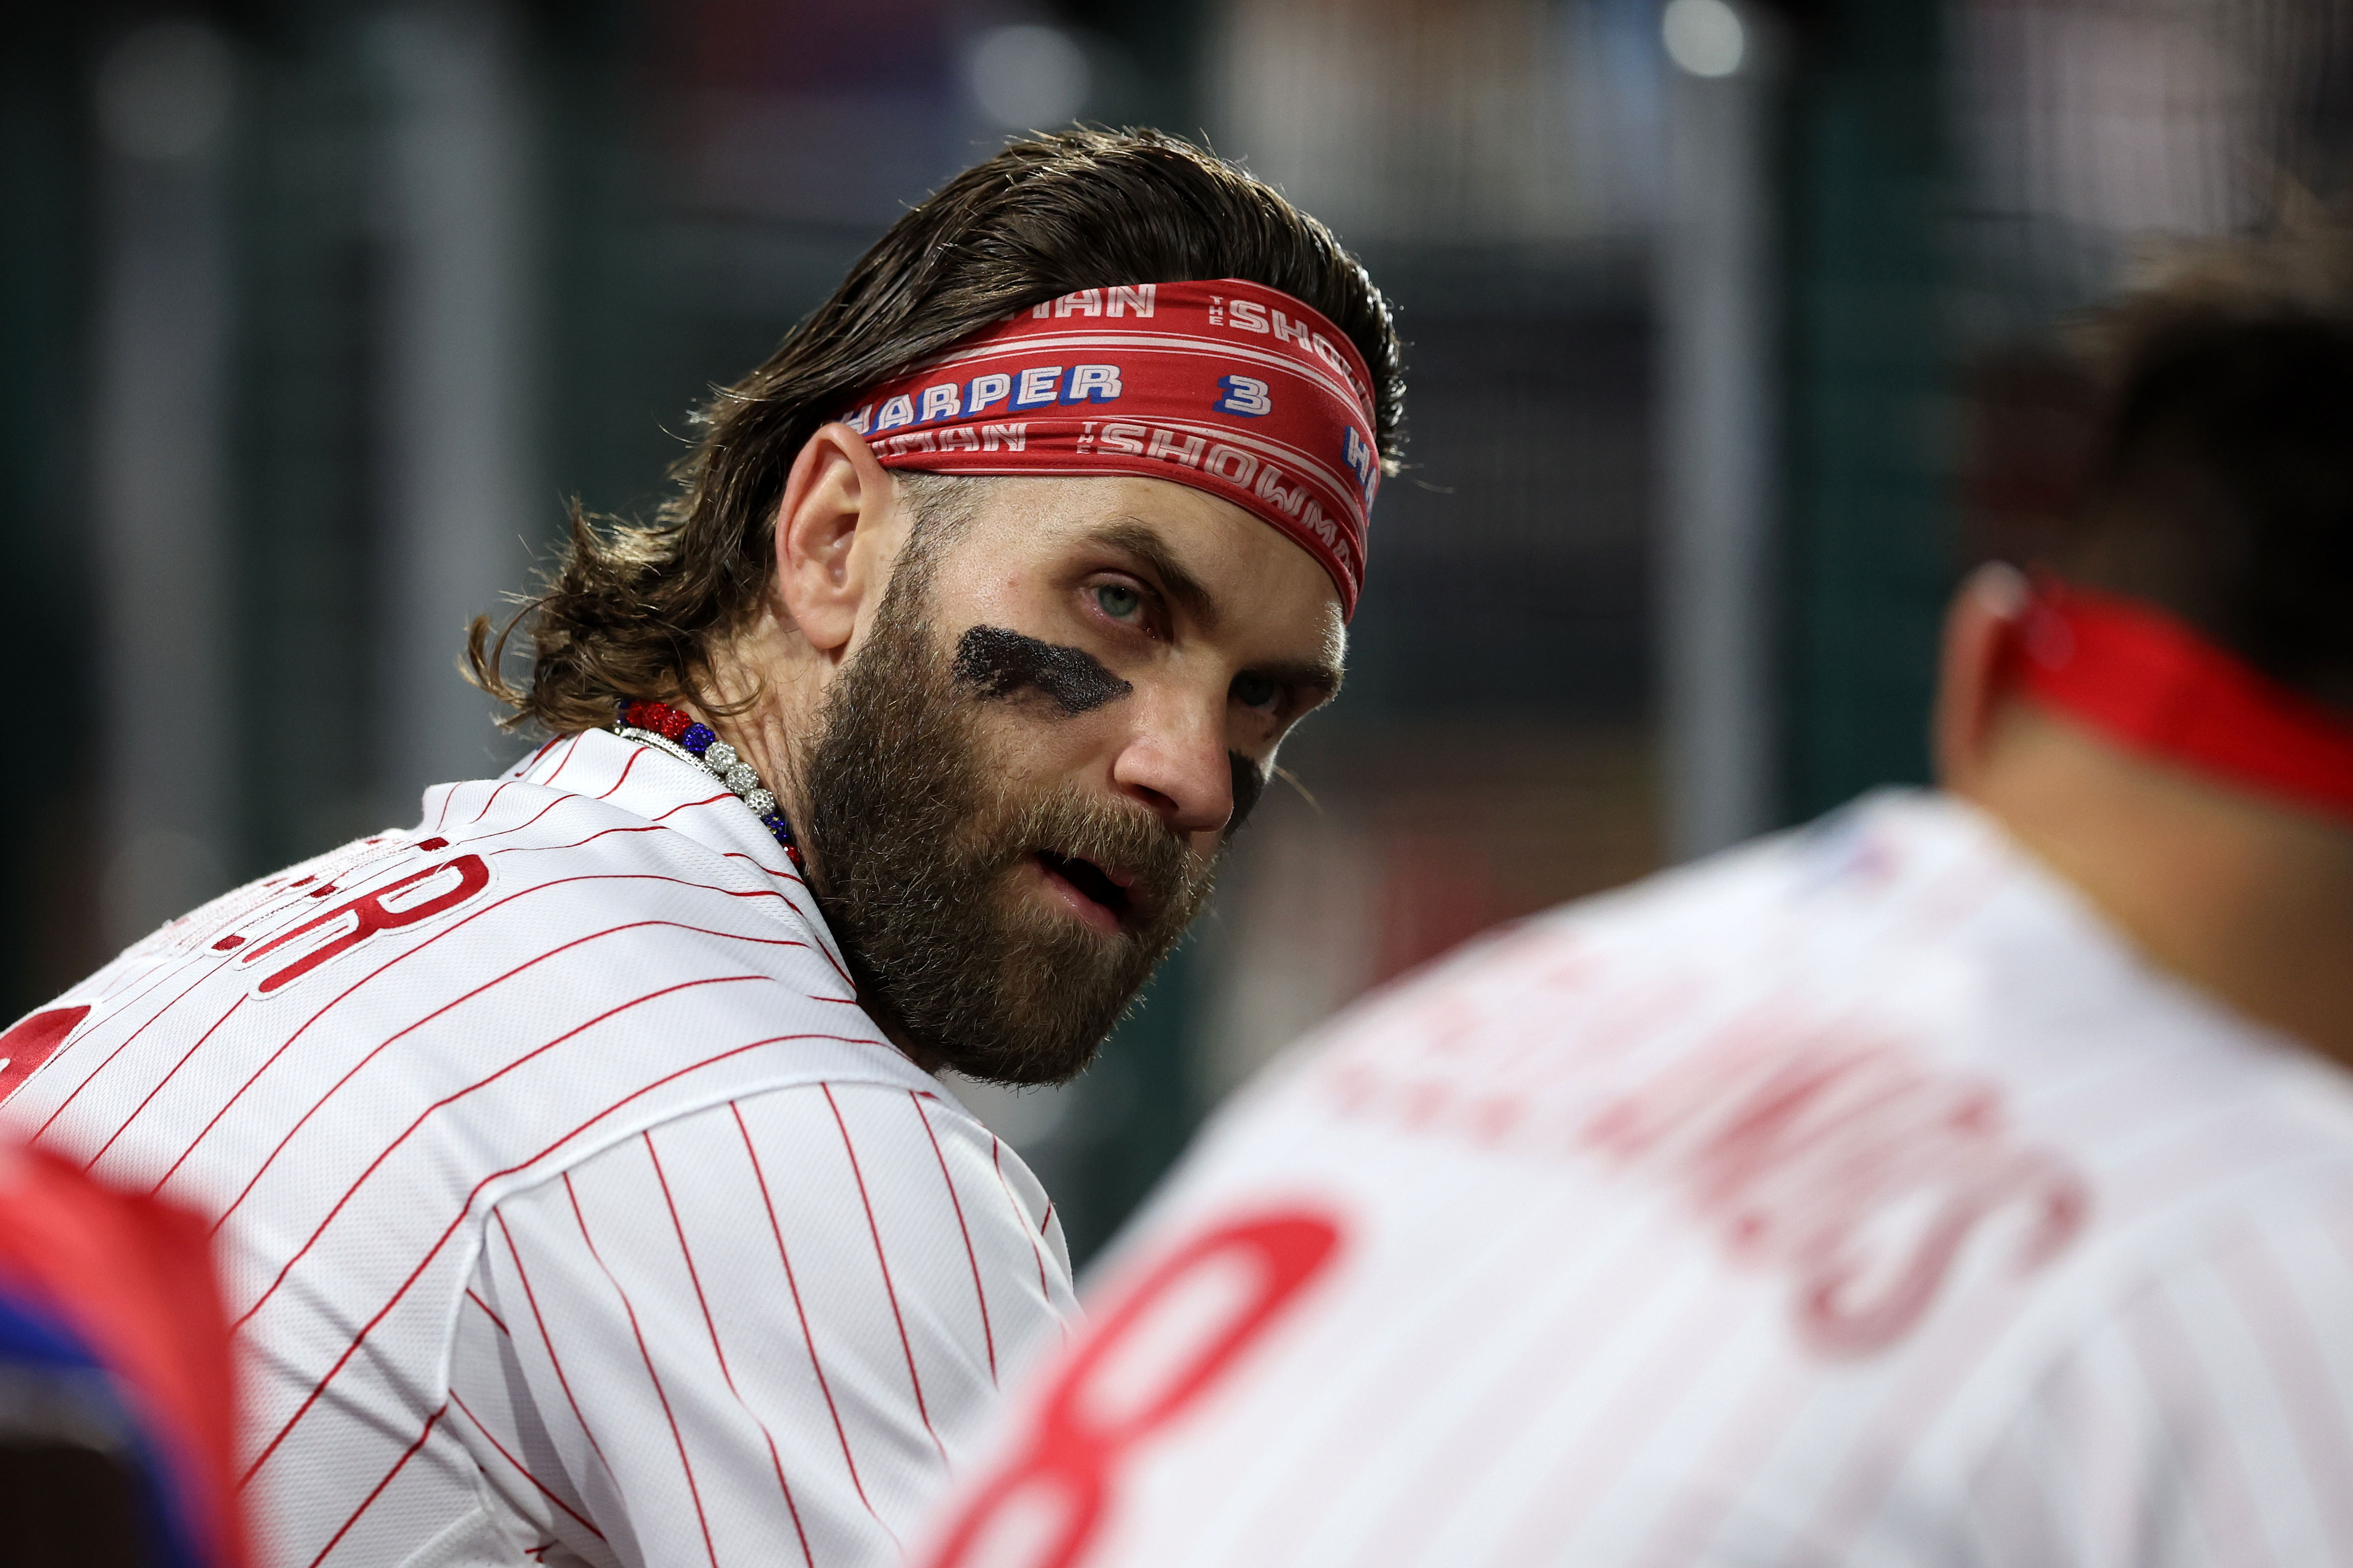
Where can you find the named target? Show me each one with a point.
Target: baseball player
(585, 1192)
(1967, 1179)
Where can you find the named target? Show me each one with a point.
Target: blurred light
(164, 92)
(1704, 36)
(1028, 77)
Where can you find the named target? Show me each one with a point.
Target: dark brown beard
(914, 842)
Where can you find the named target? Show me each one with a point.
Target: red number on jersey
(1119, 1385)
(24, 1049)
(370, 913)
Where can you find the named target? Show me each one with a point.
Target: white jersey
(570, 1208)
(1856, 1198)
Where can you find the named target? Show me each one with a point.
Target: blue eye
(1119, 601)
(1255, 690)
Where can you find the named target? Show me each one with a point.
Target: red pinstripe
(2161, 1347)
(988, 1334)
(1844, 1506)
(397, 958)
(649, 828)
(1384, 1395)
(2295, 1357)
(570, 751)
(692, 805)
(530, 1299)
(693, 1489)
(129, 980)
(995, 1158)
(889, 1291)
(523, 773)
(695, 1277)
(522, 1469)
(379, 1048)
(444, 1103)
(2291, 1349)
(76, 1092)
(769, 870)
(627, 769)
(489, 804)
(496, 1322)
(369, 1502)
(1666, 1369)
(149, 1097)
(473, 839)
(352, 1349)
(442, 820)
(792, 1283)
(604, 833)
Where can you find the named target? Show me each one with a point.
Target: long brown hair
(633, 611)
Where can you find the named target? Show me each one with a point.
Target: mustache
(1161, 873)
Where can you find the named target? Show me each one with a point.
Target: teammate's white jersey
(570, 1207)
(1855, 1199)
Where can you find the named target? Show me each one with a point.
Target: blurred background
(1731, 341)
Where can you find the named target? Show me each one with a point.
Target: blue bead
(697, 738)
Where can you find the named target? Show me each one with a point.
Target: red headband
(2152, 681)
(1227, 386)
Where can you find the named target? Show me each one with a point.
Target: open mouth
(1106, 891)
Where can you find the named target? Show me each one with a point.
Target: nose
(1175, 762)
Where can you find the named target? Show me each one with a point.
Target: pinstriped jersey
(1855, 1198)
(569, 1207)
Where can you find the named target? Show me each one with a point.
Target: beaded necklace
(682, 736)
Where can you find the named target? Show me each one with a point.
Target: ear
(1979, 628)
(838, 533)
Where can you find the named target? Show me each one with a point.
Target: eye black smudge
(1248, 784)
(998, 664)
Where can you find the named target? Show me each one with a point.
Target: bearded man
(585, 1192)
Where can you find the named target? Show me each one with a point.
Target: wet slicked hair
(633, 610)
(2221, 483)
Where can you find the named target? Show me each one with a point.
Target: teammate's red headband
(1227, 386)
(2155, 683)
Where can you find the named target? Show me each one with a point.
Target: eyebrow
(1139, 538)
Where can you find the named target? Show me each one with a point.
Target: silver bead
(742, 779)
(719, 756)
(761, 801)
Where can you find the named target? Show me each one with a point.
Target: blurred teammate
(587, 1191)
(1965, 1179)
(117, 1399)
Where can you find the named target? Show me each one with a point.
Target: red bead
(659, 717)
